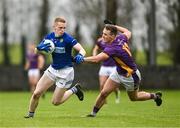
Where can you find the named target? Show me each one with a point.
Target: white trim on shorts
(128, 82)
(106, 70)
(63, 78)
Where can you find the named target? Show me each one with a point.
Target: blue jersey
(61, 56)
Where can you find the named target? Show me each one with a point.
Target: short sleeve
(71, 40)
(109, 50)
(122, 37)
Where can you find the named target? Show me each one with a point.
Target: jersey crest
(61, 40)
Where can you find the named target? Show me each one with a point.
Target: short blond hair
(60, 19)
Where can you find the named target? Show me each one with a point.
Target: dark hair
(113, 30)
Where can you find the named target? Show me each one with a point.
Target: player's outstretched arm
(95, 50)
(124, 31)
(98, 58)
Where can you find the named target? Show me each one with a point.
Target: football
(52, 47)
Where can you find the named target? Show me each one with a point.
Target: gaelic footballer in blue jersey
(60, 72)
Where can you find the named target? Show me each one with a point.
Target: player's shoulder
(50, 35)
(69, 38)
(100, 42)
(122, 36)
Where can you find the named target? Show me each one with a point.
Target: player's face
(107, 36)
(59, 28)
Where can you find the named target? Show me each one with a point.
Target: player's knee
(36, 95)
(55, 102)
(104, 94)
(133, 98)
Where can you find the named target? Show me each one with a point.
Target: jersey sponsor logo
(60, 50)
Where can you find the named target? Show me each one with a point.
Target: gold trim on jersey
(126, 48)
(124, 66)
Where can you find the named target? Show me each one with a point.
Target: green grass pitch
(14, 105)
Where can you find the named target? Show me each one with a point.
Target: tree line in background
(110, 7)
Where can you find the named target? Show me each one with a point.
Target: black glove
(106, 21)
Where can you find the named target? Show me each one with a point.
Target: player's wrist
(81, 54)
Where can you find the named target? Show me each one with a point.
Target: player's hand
(43, 47)
(106, 21)
(79, 58)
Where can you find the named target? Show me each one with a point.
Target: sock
(95, 110)
(31, 114)
(74, 89)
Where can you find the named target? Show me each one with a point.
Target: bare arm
(41, 61)
(95, 50)
(26, 67)
(98, 58)
(124, 31)
(80, 49)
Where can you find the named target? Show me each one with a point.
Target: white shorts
(106, 70)
(34, 72)
(63, 77)
(128, 82)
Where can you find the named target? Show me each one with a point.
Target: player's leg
(33, 76)
(142, 96)
(139, 95)
(110, 70)
(104, 73)
(62, 93)
(43, 84)
(31, 83)
(102, 80)
(117, 95)
(59, 95)
(132, 87)
(109, 86)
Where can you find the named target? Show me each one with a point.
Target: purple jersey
(120, 52)
(109, 62)
(33, 60)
